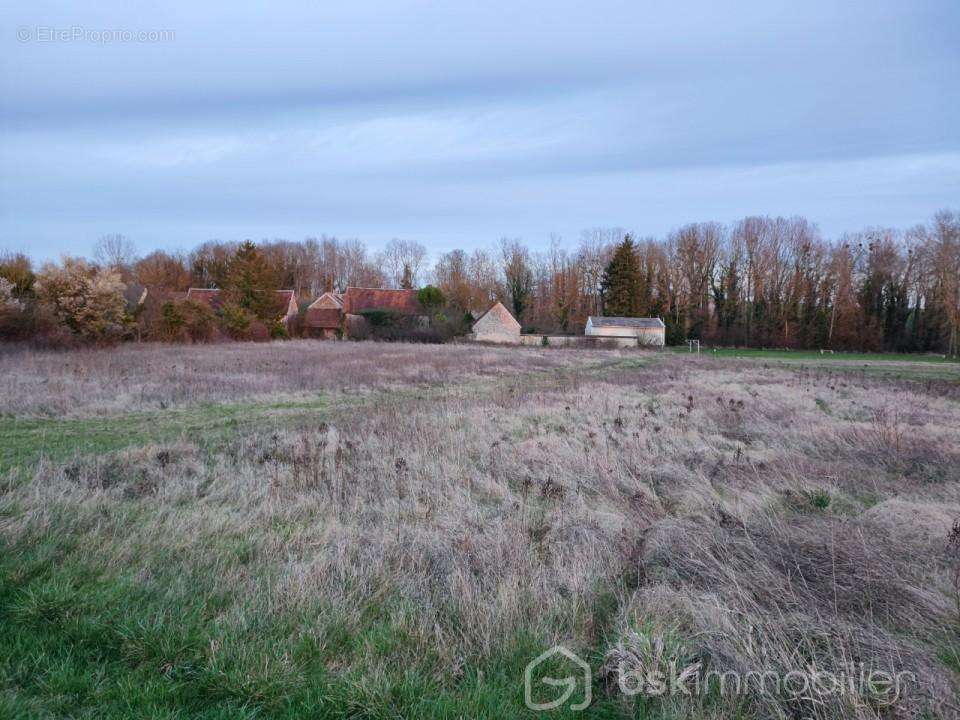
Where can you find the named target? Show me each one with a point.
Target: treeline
(773, 282)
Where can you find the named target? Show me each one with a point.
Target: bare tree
(451, 275)
(114, 251)
(402, 258)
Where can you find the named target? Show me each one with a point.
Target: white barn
(647, 331)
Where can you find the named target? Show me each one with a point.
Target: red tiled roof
(207, 296)
(358, 300)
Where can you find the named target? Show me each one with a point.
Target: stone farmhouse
(325, 316)
(334, 314)
(497, 325)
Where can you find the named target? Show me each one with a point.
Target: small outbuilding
(650, 332)
(325, 316)
(497, 325)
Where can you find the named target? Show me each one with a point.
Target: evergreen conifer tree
(406, 282)
(250, 282)
(622, 282)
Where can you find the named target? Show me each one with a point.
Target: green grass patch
(24, 441)
(79, 638)
(892, 366)
(949, 653)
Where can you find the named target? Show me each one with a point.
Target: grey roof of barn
(626, 322)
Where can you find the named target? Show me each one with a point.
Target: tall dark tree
(622, 282)
(519, 276)
(406, 282)
(250, 283)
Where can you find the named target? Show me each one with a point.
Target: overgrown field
(387, 531)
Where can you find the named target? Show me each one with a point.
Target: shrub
(186, 321)
(86, 300)
(13, 320)
(171, 321)
(200, 321)
(357, 327)
(258, 331)
(819, 499)
(17, 270)
(383, 318)
(431, 298)
(391, 326)
(235, 321)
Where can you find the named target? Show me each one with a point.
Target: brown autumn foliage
(759, 282)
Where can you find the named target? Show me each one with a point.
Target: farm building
(335, 312)
(369, 311)
(497, 325)
(647, 331)
(325, 316)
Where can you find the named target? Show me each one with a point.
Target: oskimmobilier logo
(581, 677)
(635, 678)
(883, 688)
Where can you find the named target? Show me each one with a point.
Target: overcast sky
(455, 123)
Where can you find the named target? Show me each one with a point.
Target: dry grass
(748, 517)
(144, 377)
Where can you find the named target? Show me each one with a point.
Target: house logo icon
(581, 676)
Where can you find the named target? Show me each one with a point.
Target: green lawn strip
(79, 638)
(920, 368)
(806, 355)
(915, 372)
(24, 441)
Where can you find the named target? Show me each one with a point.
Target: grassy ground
(901, 366)
(816, 355)
(27, 441)
(35, 439)
(401, 541)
